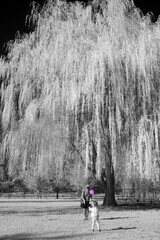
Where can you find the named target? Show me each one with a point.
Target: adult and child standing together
(90, 205)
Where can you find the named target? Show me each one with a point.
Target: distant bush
(6, 187)
(20, 185)
(17, 185)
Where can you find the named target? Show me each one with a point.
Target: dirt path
(51, 219)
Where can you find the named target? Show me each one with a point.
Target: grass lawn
(62, 219)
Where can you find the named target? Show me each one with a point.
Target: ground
(47, 219)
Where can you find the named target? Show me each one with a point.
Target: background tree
(84, 88)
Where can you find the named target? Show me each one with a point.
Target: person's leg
(98, 226)
(85, 213)
(93, 222)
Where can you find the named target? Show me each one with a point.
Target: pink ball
(91, 192)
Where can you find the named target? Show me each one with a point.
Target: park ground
(47, 219)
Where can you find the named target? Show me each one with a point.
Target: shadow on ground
(71, 210)
(44, 211)
(120, 228)
(114, 218)
(130, 207)
(25, 236)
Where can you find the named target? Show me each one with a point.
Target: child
(95, 215)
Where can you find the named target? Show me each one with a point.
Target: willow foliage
(68, 68)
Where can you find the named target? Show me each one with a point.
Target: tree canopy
(83, 90)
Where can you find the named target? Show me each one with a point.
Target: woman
(86, 197)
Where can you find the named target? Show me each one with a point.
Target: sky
(13, 14)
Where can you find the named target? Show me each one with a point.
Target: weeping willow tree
(89, 89)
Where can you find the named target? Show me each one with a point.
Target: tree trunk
(57, 191)
(109, 188)
(109, 185)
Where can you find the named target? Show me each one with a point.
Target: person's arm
(90, 198)
(90, 208)
(83, 195)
